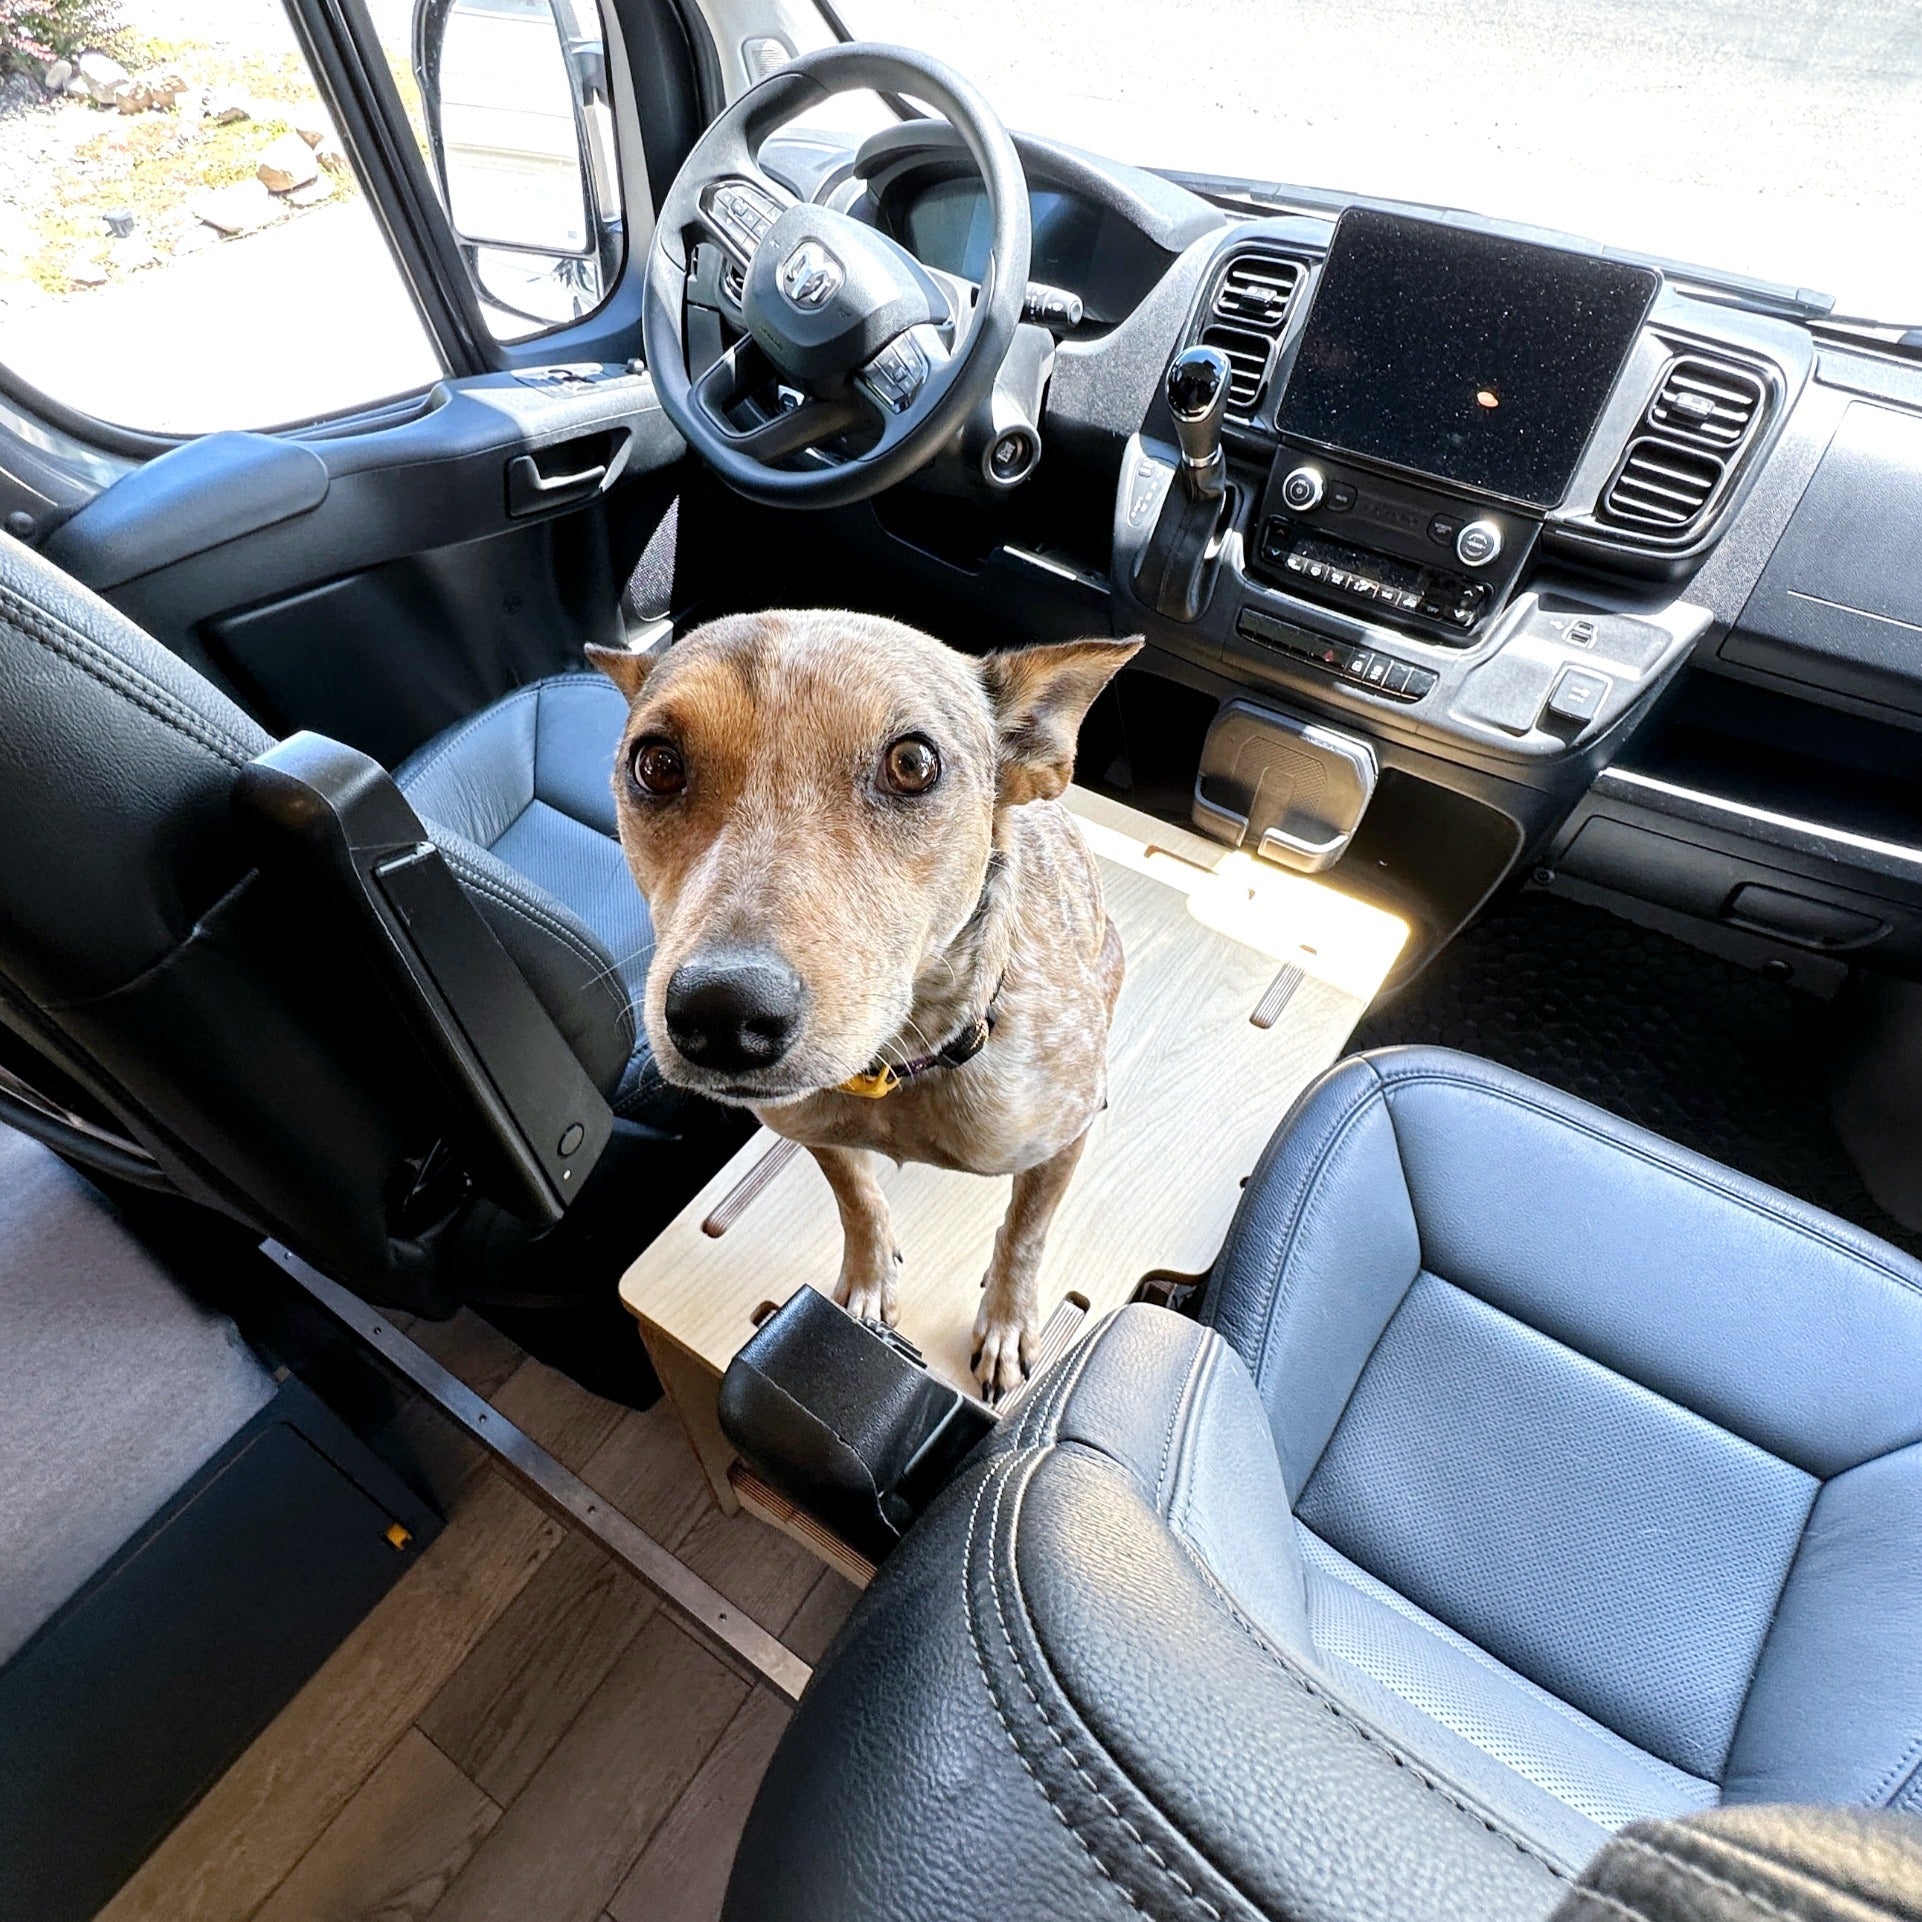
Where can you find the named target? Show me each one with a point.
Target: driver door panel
(378, 585)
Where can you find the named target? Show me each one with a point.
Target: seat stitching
(994, 1700)
(606, 982)
(528, 910)
(1279, 1293)
(1709, 1878)
(1047, 1412)
(1181, 1402)
(1805, 1230)
(1584, 1892)
(519, 698)
(1756, 1855)
(1897, 1778)
(122, 678)
(1186, 1481)
(1060, 1741)
(1348, 1720)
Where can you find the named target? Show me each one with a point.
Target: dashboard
(1079, 245)
(1608, 565)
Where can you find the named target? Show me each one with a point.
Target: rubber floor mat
(1692, 1047)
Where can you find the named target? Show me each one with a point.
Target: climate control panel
(1435, 563)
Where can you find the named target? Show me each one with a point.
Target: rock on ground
(100, 74)
(234, 210)
(286, 164)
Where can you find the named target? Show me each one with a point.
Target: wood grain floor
(517, 1730)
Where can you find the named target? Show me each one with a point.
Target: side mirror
(519, 129)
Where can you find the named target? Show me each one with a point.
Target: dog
(875, 924)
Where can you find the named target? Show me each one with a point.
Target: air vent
(733, 281)
(1248, 354)
(1708, 402)
(1249, 311)
(1256, 291)
(1661, 489)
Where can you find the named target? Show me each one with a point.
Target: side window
(509, 101)
(183, 245)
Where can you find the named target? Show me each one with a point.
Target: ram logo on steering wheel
(810, 275)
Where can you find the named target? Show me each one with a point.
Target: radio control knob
(1478, 543)
(1303, 489)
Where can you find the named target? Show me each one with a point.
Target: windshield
(1779, 138)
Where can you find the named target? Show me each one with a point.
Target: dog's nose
(734, 1012)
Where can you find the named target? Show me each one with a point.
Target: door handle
(529, 491)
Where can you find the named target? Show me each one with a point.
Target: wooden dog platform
(1243, 983)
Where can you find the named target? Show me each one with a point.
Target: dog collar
(882, 1079)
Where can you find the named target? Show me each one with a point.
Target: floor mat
(1714, 1056)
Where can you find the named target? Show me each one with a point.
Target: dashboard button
(1398, 678)
(1422, 683)
(1478, 543)
(1341, 497)
(1578, 695)
(1303, 489)
(1443, 529)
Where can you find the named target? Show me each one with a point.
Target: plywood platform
(1243, 983)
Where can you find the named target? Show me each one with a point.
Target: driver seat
(179, 1011)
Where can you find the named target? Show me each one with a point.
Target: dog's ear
(624, 666)
(1039, 696)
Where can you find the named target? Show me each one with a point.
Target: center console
(1461, 474)
(1442, 393)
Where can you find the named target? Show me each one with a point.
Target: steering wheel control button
(1578, 695)
(742, 212)
(1303, 489)
(1478, 543)
(895, 374)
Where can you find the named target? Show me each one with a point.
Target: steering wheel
(845, 318)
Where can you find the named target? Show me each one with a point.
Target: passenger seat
(1533, 1478)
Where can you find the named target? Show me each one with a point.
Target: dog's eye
(658, 768)
(911, 765)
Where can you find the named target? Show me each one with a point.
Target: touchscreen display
(1462, 356)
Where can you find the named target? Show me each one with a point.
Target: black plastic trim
(334, 819)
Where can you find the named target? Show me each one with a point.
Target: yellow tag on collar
(873, 1085)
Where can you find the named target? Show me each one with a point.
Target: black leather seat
(211, 1030)
(1534, 1478)
(529, 780)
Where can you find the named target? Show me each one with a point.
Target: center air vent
(1708, 402)
(1660, 488)
(1703, 415)
(1249, 310)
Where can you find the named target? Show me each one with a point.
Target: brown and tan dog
(860, 875)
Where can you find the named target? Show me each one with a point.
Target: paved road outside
(283, 325)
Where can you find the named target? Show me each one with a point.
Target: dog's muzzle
(734, 1011)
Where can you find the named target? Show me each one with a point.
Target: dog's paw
(1003, 1354)
(872, 1296)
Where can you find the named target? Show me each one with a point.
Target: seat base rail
(748, 1649)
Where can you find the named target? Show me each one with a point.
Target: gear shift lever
(1197, 387)
(1175, 571)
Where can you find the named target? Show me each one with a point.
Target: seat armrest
(332, 821)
